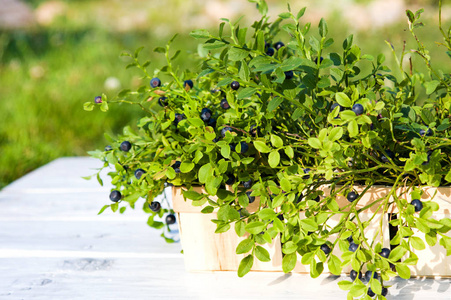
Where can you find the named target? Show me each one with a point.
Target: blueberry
(278, 45)
(369, 274)
(280, 217)
(353, 247)
(163, 101)
(358, 109)
(384, 291)
(390, 154)
(428, 158)
(176, 166)
(115, 196)
(270, 51)
(350, 239)
(178, 118)
(320, 60)
(254, 130)
(126, 146)
(335, 105)
(139, 173)
(224, 130)
(385, 252)
(251, 198)
(170, 219)
(230, 179)
(306, 171)
(325, 248)
(154, 82)
(426, 133)
(212, 122)
(108, 148)
(205, 114)
(235, 85)
(232, 147)
(224, 104)
(244, 147)
(417, 204)
(247, 184)
(188, 84)
(155, 206)
(289, 74)
(371, 293)
(98, 99)
(353, 274)
(352, 196)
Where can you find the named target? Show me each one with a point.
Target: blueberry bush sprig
(274, 113)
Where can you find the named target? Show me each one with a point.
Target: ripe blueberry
(139, 173)
(417, 204)
(289, 74)
(270, 51)
(155, 206)
(108, 148)
(335, 105)
(235, 85)
(371, 293)
(178, 118)
(306, 171)
(126, 146)
(188, 84)
(230, 179)
(154, 82)
(176, 166)
(278, 45)
(385, 252)
(251, 198)
(369, 274)
(224, 104)
(320, 60)
(244, 147)
(115, 196)
(353, 274)
(352, 196)
(350, 239)
(358, 109)
(98, 99)
(247, 184)
(280, 217)
(325, 248)
(224, 130)
(254, 131)
(205, 114)
(232, 147)
(170, 219)
(163, 101)
(426, 133)
(212, 122)
(384, 291)
(353, 247)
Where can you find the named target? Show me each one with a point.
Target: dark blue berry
(371, 293)
(230, 179)
(115, 196)
(289, 74)
(352, 196)
(280, 217)
(384, 291)
(244, 147)
(334, 105)
(170, 219)
(417, 204)
(353, 247)
(390, 154)
(306, 171)
(385, 252)
(232, 147)
(176, 166)
(278, 45)
(205, 114)
(108, 148)
(163, 101)
(212, 122)
(224, 130)
(139, 173)
(126, 146)
(353, 274)
(426, 133)
(178, 118)
(155, 82)
(98, 99)
(155, 206)
(270, 51)
(316, 60)
(254, 130)
(369, 274)
(358, 109)
(235, 85)
(188, 84)
(247, 184)
(350, 239)
(251, 198)
(224, 104)
(325, 248)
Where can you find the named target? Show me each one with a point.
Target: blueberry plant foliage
(279, 120)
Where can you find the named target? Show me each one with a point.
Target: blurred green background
(56, 55)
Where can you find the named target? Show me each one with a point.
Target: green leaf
(274, 159)
(336, 134)
(262, 254)
(289, 247)
(289, 151)
(322, 27)
(103, 209)
(345, 285)
(417, 243)
(376, 286)
(431, 86)
(205, 172)
(186, 167)
(353, 128)
(239, 228)
(403, 271)
(193, 195)
(244, 71)
(397, 253)
(255, 227)
(104, 106)
(246, 92)
(261, 147)
(266, 214)
(285, 184)
(427, 116)
(314, 143)
(114, 207)
(343, 99)
(334, 265)
(309, 225)
(159, 50)
(274, 103)
(245, 246)
(245, 265)
(222, 228)
(200, 34)
(207, 209)
(276, 141)
(300, 13)
(236, 54)
(88, 106)
(289, 262)
(316, 268)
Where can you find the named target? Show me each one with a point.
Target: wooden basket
(205, 250)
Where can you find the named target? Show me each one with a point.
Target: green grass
(47, 74)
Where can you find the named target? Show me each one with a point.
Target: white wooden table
(53, 245)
